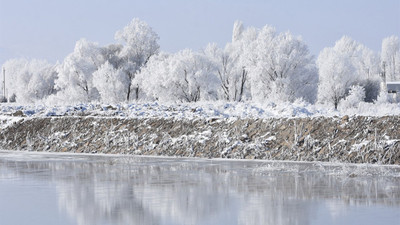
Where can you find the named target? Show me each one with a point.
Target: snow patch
(219, 110)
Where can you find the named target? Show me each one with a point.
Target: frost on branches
(356, 96)
(186, 76)
(259, 65)
(31, 81)
(75, 74)
(141, 42)
(106, 74)
(280, 66)
(347, 63)
(111, 83)
(391, 58)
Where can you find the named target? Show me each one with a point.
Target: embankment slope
(355, 139)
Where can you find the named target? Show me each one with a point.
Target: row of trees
(257, 65)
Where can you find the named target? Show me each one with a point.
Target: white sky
(48, 29)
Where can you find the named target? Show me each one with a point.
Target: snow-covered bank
(356, 139)
(201, 110)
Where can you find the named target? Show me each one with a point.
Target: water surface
(44, 188)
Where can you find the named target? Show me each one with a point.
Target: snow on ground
(231, 110)
(6, 121)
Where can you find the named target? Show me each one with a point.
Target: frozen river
(40, 188)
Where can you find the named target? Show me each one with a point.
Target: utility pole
(383, 75)
(4, 82)
(384, 72)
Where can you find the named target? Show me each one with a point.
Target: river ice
(54, 188)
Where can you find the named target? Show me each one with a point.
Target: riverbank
(358, 139)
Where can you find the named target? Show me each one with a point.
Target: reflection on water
(139, 190)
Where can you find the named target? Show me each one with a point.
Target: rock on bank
(348, 139)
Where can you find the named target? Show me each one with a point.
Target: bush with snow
(383, 97)
(354, 98)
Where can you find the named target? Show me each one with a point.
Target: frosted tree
(230, 70)
(75, 74)
(346, 64)
(280, 66)
(75, 82)
(140, 43)
(390, 57)
(111, 55)
(369, 70)
(154, 77)
(42, 82)
(237, 31)
(29, 81)
(185, 76)
(363, 59)
(111, 83)
(366, 63)
(232, 63)
(336, 75)
(295, 74)
(17, 76)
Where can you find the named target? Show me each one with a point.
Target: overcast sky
(48, 29)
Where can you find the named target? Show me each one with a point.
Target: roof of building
(393, 86)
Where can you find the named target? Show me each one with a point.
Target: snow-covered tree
(280, 66)
(140, 43)
(233, 62)
(390, 57)
(347, 63)
(336, 75)
(111, 83)
(367, 64)
(29, 81)
(258, 64)
(185, 76)
(111, 55)
(75, 74)
(237, 31)
(17, 76)
(153, 77)
(230, 70)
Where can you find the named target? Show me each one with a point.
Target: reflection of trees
(177, 191)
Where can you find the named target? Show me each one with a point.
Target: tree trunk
(129, 93)
(137, 92)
